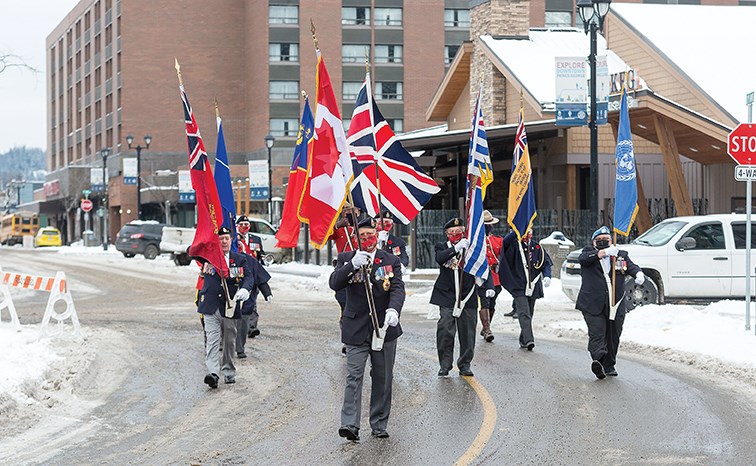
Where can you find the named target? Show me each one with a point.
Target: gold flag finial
(314, 38)
(367, 60)
(217, 112)
(178, 72)
(522, 99)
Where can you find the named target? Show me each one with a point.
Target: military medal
(387, 272)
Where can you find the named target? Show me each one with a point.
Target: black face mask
(602, 244)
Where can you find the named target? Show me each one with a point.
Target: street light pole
(104, 153)
(269, 140)
(139, 148)
(592, 13)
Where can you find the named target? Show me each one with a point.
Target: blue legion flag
(626, 189)
(223, 185)
(521, 206)
(478, 175)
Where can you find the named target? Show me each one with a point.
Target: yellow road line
(489, 417)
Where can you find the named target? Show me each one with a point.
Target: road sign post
(741, 146)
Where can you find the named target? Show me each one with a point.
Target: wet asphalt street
(540, 407)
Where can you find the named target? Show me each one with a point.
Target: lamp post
(269, 140)
(105, 153)
(592, 13)
(139, 148)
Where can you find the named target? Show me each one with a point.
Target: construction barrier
(58, 292)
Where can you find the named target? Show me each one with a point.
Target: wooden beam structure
(675, 175)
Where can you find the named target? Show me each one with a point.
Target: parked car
(47, 236)
(140, 237)
(683, 258)
(176, 242)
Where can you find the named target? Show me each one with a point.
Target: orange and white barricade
(58, 290)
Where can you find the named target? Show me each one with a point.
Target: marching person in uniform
(456, 294)
(384, 273)
(604, 330)
(251, 245)
(524, 270)
(387, 241)
(249, 313)
(344, 237)
(493, 251)
(212, 304)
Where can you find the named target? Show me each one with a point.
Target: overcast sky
(24, 25)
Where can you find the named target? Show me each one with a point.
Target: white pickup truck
(683, 258)
(176, 241)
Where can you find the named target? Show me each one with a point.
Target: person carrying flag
(384, 272)
(593, 299)
(493, 251)
(524, 270)
(219, 323)
(454, 294)
(390, 242)
(251, 245)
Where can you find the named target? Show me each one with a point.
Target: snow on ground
(29, 365)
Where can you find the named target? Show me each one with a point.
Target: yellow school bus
(17, 225)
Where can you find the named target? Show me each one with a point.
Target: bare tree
(14, 61)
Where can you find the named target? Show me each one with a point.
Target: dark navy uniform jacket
(261, 278)
(511, 271)
(210, 298)
(356, 325)
(398, 247)
(593, 297)
(444, 291)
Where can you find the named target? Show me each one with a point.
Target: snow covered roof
(531, 60)
(710, 44)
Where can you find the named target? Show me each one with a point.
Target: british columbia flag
(380, 163)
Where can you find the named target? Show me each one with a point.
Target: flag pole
(377, 167)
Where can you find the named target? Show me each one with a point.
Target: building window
(283, 14)
(558, 19)
(284, 127)
(388, 53)
(350, 90)
(396, 124)
(359, 16)
(284, 90)
(456, 18)
(284, 52)
(449, 52)
(388, 16)
(354, 53)
(388, 91)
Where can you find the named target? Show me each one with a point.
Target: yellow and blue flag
(521, 210)
(626, 189)
(223, 185)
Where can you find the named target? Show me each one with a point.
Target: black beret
(454, 222)
(386, 215)
(242, 218)
(366, 223)
(224, 231)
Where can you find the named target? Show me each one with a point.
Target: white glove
(490, 293)
(611, 250)
(241, 295)
(383, 237)
(462, 244)
(640, 278)
(546, 282)
(360, 258)
(269, 298)
(392, 318)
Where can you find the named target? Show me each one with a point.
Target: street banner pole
(749, 103)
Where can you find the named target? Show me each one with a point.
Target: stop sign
(741, 144)
(86, 205)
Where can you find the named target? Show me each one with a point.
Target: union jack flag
(379, 160)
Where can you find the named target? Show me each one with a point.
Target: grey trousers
(217, 327)
(524, 306)
(446, 328)
(242, 328)
(604, 336)
(382, 377)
